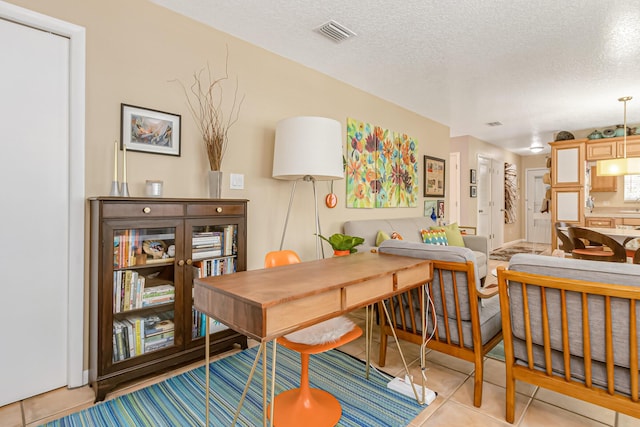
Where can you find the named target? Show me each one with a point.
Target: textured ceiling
(537, 67)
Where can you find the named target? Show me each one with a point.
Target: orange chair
(306, 406)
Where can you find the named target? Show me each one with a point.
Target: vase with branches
(205, 99)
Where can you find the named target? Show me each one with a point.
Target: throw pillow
(454, 236)
(381, 237)
(434, 237)
(396, 236)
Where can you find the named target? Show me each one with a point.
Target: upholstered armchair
(468, 317)
(571, 326)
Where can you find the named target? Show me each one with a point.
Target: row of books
(198, 324)
(132, 290)
(214, 267)
(136, 335)
(210, 244)
(128, 243)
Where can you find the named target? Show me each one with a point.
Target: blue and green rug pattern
(179, 401)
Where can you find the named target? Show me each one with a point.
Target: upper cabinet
(611, 148)
(567, 163)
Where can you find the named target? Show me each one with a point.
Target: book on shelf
(128, 290)
(154, 326)
(158, 294)
(214, 267)
(119, 344)
(208, 252)
(229, 239)
(198, 324)
(157, 345)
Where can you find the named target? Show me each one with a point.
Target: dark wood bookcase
(145, 253)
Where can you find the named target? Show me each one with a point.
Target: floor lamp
(307, 149)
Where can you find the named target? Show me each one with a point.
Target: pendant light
(623, 165)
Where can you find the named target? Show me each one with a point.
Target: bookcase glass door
(214, 252)
(144, 291)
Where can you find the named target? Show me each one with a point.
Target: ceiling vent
(493, 124)
(334, 31)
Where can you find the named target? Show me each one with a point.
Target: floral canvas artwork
(382, 170)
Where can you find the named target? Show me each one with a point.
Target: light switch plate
(236, 181)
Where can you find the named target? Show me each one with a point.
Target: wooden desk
(268, 303)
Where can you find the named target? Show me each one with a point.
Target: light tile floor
(451, 378)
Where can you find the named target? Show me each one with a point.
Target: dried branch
(205, 98)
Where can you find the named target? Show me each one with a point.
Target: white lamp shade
(308, 146)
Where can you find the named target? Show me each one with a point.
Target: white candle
(115, 160)
(124, 163)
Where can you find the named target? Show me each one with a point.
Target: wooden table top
(268, 303)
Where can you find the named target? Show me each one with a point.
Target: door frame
(76, 259)
(454, 188)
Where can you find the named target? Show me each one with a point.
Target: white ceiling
(537, 67)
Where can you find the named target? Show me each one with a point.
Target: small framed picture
(473, 192)
(441, 209)
(431, 209)
(150, 131)
(472, 176)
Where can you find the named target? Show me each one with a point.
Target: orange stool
(306, 406)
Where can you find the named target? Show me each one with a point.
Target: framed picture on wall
(150, 131)
(473, 192)
(440, 209)
(434, 176)
(472, 176)
(431, 209)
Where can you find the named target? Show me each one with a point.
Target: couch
(571, 326)
(409, 229)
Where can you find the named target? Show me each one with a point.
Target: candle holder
(115, 188)
(124, 191)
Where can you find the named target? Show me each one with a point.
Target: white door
(497, 203)
(41, 257)
(453, 214)
(484, 197)
(538, 223)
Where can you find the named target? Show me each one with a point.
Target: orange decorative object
(331, 200)
(341, 253)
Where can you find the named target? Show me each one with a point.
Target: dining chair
(566, 244)
(305, 405)
(610, 250)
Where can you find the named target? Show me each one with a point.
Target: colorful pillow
(381, 237)
(434, 237)
(454, 236)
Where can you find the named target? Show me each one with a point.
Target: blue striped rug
(179, 401)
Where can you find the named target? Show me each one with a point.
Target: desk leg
(368, 336)
(261, 349)
(206, 369)
(273, 381)
(404, 362)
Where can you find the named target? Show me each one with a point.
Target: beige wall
(135, 48)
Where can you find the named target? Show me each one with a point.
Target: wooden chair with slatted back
(572, 336)
(610, 250)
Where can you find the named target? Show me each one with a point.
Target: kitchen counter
(613, 213)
